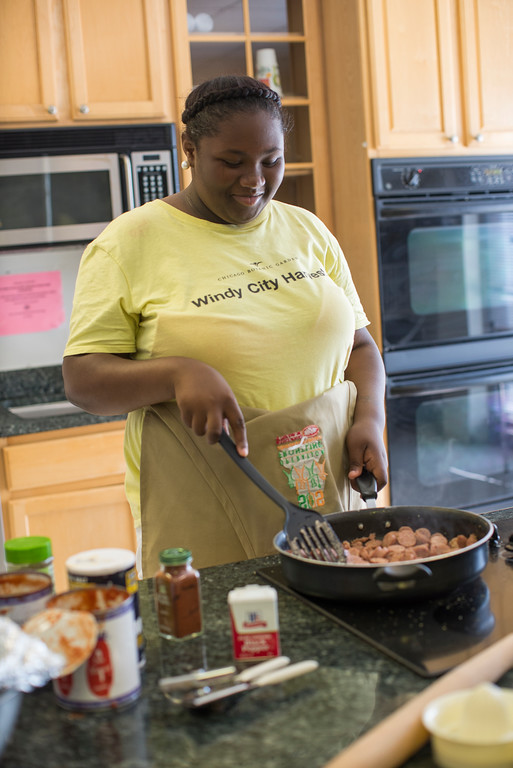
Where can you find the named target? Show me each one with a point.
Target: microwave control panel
(152, 175)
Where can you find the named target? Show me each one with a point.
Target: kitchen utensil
(197, 679)
(425, 577)
(197, 700)
(211, 677)
(368, 488)
(307, 532)
(390, 743)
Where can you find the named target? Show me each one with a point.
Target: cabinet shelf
(240, 29)
(237, 37)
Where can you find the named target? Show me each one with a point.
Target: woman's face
(237, 172)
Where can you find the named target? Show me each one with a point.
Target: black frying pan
(426, 577)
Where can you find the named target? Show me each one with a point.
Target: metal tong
(308, 533)
(201, 688)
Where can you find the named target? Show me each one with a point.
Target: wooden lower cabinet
(67, 485)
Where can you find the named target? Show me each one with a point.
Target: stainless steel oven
(450, 437)
(445, 249)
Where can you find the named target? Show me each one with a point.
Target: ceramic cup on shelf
(267, 69)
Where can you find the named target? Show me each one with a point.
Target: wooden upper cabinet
(414, 74)
(69, 61)
(27, 61)
(487, 56)
(441, 74)
(114, 59)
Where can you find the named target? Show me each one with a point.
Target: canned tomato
(23, 594)
(105, 566)
(110, 677)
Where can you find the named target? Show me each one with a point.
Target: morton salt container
(110, 677)
(104, 566)
(254, 622)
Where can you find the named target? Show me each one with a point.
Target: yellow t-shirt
(269, 304)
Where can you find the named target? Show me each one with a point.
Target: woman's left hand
(366, 448)
(364, 440)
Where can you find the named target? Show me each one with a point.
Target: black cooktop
(429, 636)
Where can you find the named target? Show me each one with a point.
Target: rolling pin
(390, 743)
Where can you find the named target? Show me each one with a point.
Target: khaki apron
(194, 496)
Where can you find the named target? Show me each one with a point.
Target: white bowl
(472, 728)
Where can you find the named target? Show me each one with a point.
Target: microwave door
(53, 199)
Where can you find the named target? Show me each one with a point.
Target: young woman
(219, 307)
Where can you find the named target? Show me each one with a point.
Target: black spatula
(308, 533)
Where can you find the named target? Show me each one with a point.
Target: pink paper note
(31, 302)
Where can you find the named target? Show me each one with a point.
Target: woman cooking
(219, 307)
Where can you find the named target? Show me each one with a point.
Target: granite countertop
(302, 723)
(37, 386)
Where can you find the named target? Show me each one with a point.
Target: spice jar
(177, 595)
(33, 553)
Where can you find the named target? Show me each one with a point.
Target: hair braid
(238, 92)
(213, 101)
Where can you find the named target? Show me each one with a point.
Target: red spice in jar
(177, 595)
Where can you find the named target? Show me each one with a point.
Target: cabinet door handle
(479, 137)
(51, 109)
(84, 109)
(454, 139)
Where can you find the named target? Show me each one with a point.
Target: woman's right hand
(207, 403)
(107, 384)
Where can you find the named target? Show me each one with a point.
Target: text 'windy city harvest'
(261, 286)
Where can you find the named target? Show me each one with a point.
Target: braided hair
(215, 100)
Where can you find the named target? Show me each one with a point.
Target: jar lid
(100, 562)
(28, 549)
(175, 556)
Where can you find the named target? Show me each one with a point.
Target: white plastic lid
(100, 562)
(252, 592)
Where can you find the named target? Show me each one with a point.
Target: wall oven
(59, 187)
(445, 252)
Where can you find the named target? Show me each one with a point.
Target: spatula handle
(252, 472)
(367, 485)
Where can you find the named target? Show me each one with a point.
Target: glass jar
(177, 595)
(32, 553)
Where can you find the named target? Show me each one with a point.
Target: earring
(185, 164)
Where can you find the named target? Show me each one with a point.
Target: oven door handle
(444, 385)
(421, 208)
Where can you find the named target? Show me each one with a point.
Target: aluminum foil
(26, 662)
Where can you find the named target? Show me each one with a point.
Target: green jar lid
(28, 549)
(175, 556)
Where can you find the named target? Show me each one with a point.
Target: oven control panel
(442, 175)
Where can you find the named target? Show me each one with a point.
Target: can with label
(23, 594)
(104, 566)
(254, 622)
(110, 677)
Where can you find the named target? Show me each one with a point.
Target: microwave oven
(64, 185)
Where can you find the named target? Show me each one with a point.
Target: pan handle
(367, 485)
(402, 578)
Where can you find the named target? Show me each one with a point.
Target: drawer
(44, 463)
